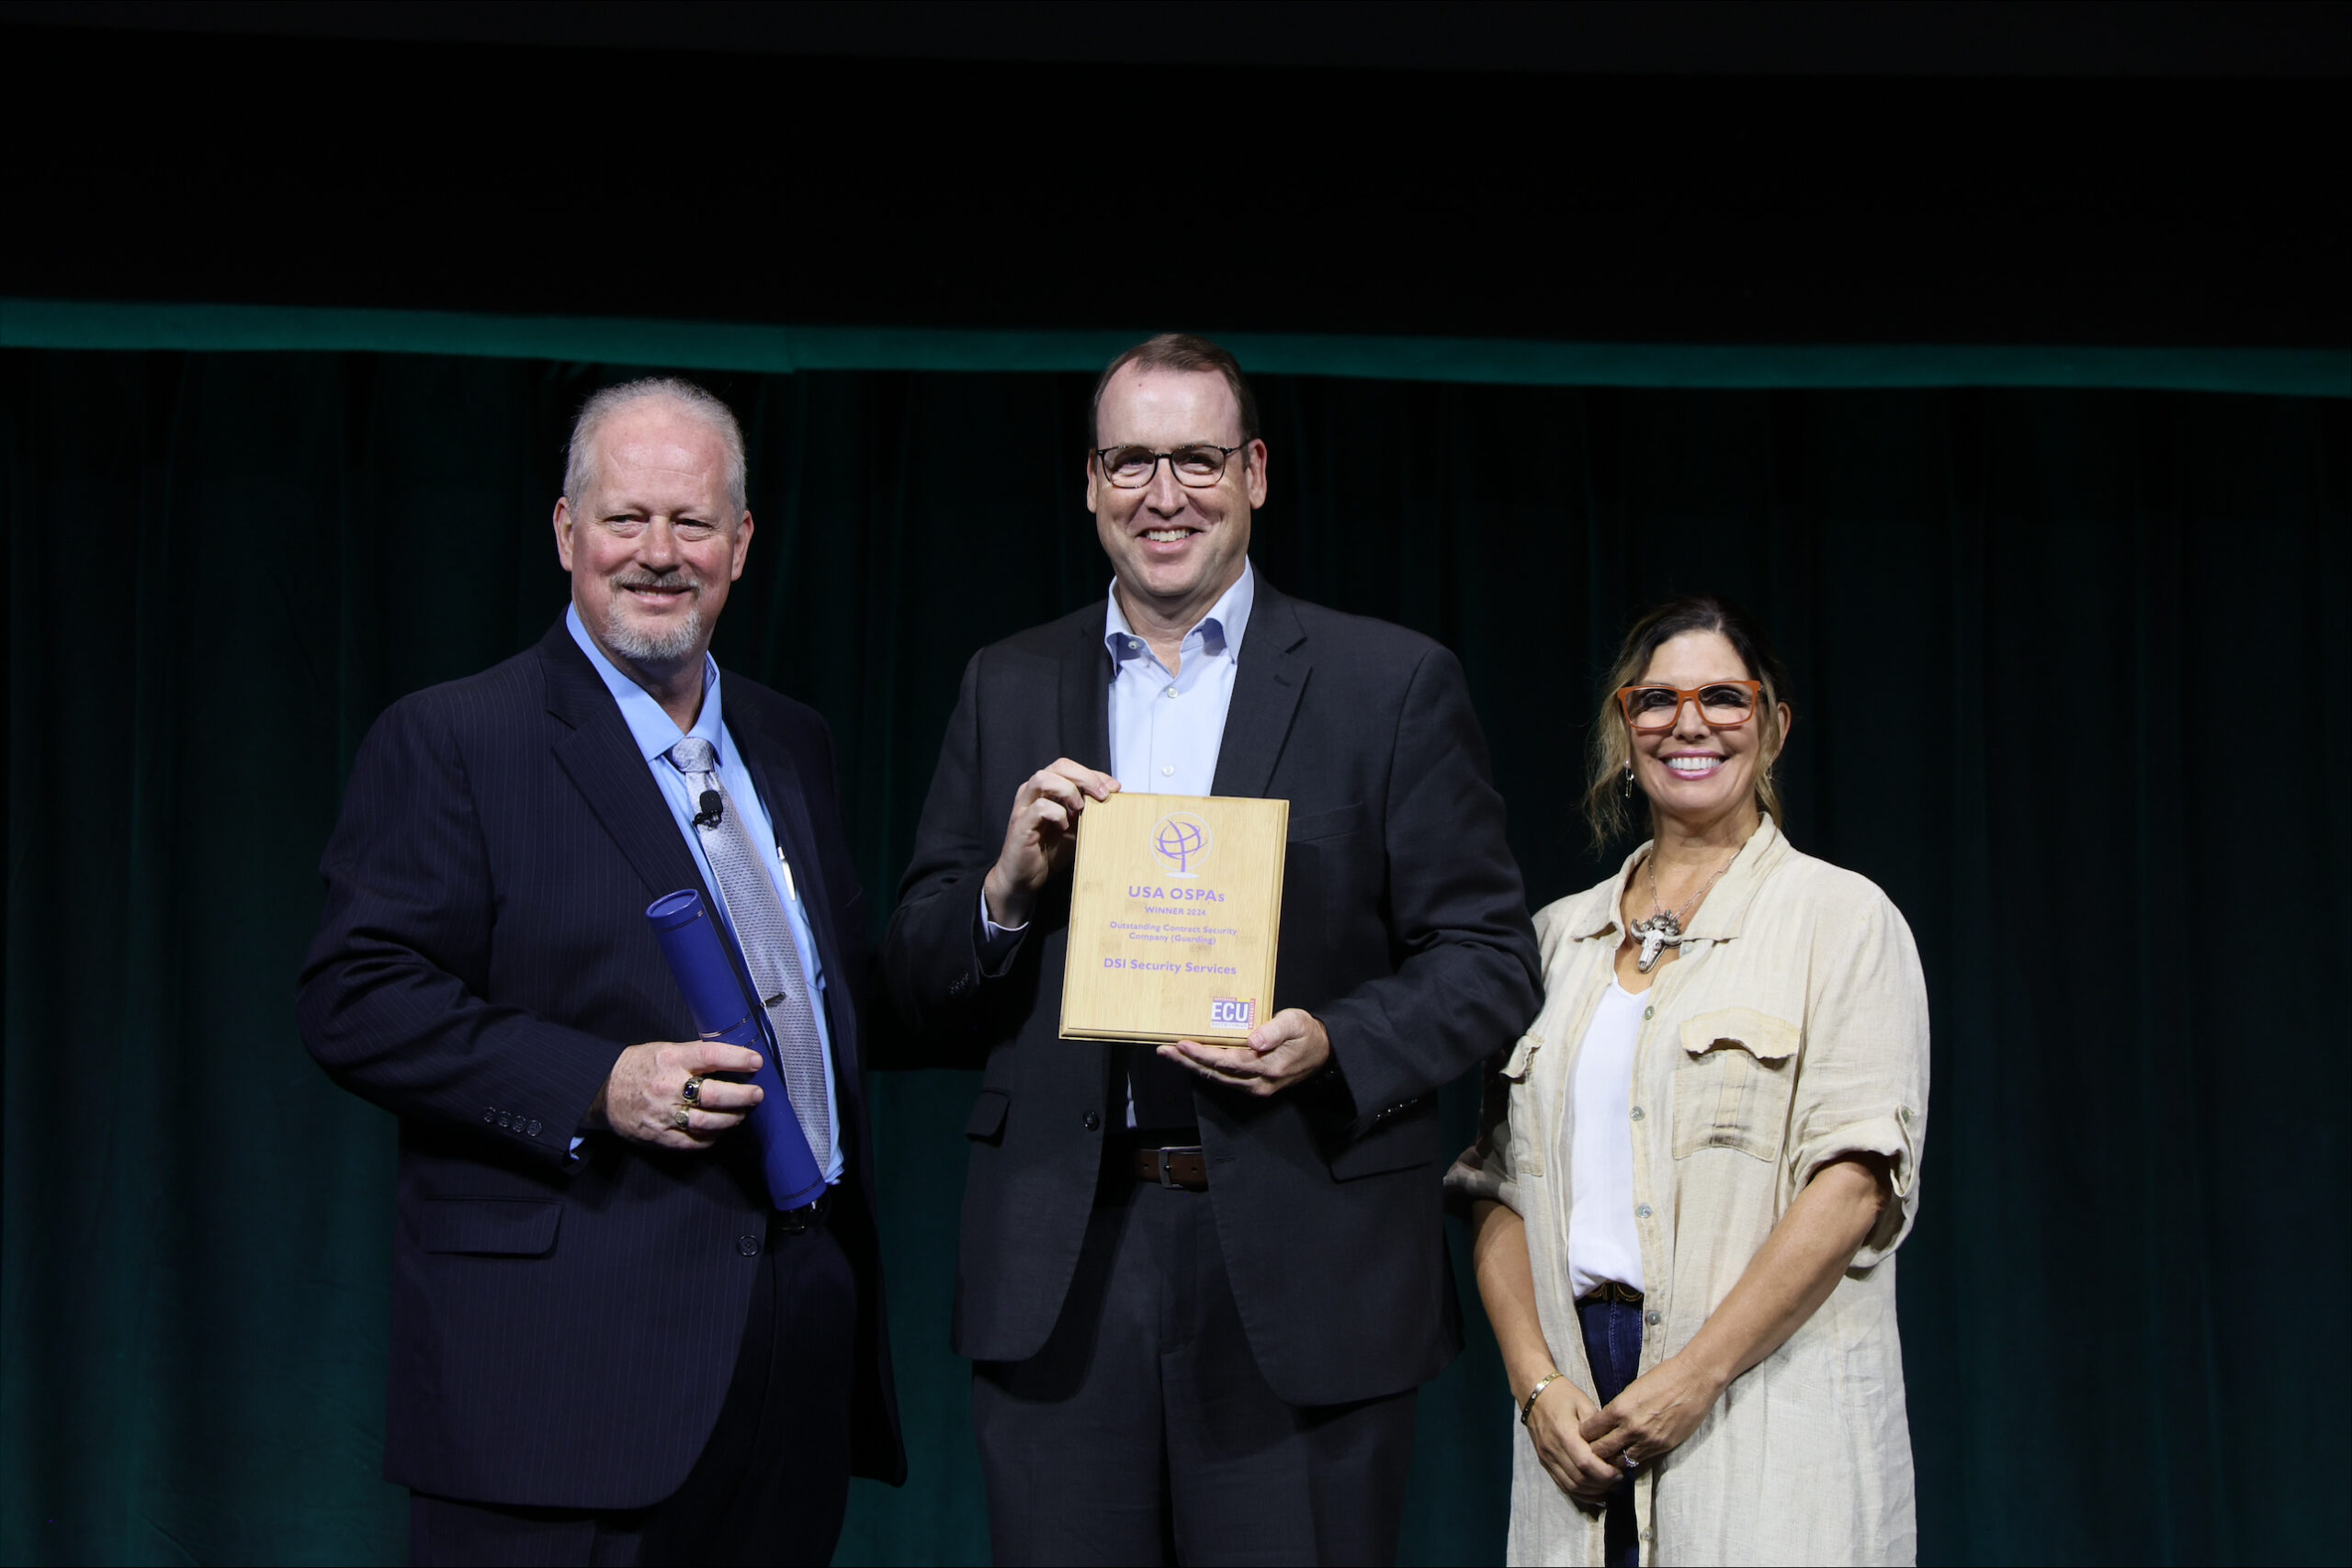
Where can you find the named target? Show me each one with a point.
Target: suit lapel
(772, 769)
(1267, 683)
(595, 748)
(779, 777)
(1085, 725)
(1086, 697)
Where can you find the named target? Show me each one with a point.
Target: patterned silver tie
(764, 932)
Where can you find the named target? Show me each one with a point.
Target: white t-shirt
(1603, 1243)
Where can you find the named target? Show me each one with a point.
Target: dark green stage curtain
(2065, 687)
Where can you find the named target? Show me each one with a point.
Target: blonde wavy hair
(1608, 797)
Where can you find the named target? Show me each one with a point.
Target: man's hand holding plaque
(1288, 1048)
(1041, 835)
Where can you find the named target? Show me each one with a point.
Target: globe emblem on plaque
(1181, 842)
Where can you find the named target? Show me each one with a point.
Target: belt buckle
(1164, 1164)
(801, 1221)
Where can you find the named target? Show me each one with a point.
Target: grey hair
(578, 465)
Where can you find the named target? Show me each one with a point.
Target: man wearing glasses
(1200, 1284)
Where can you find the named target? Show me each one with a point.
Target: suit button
(533, 1129)
(749, 1245)
(488, 1115)
(1093, 1122)
(505, 1119)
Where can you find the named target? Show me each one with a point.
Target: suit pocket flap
(1327, 824)
(1762, 1036)
(504, 1227)
(986, 1120)
(1522, 1060)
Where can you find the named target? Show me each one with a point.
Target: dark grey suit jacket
(1404, 929)
(562, 1331)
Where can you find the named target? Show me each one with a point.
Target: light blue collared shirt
(1166, 730)
(655, 732)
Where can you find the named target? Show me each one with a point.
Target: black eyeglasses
(1195, 468)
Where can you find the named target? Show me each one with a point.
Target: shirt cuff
(997, 943)
(1892, 1138)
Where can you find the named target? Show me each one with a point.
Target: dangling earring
(1629, 778)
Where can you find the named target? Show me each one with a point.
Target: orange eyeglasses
(1725, 704)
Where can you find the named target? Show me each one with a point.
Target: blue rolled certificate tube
(695, 947)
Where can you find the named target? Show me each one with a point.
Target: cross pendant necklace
(1662, 927)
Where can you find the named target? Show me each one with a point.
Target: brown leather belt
(1185, 1168)
(1611, 1291)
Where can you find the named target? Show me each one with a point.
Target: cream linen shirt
(1793, 1029)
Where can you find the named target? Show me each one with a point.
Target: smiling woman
(1698, 1163)
(1610, 794)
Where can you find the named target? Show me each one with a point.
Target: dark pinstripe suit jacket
(562, 1331)
(1404, 929)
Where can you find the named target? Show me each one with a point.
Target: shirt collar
(1219, 631)
(1719, 918)
(654, 730)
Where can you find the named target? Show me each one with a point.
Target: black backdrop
(1139, 169)
(2065, 687)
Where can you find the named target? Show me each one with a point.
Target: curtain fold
(2064, 671)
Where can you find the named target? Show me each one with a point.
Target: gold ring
(692, 1093)
(685, 1118)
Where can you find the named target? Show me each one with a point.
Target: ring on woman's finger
(692, 1093)
(1628, 1463)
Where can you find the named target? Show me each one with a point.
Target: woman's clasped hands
(1556, 1425)
(1588, 1447)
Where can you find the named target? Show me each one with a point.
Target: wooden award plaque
(1173, 916)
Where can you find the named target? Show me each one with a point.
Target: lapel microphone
(713, 807)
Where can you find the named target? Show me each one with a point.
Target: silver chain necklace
(1663, 929)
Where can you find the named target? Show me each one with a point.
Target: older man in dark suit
(1200, 1284)
(610, 1342)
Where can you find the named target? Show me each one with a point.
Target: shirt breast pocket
(1732, 1088)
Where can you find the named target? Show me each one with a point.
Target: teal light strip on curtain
(711, 346)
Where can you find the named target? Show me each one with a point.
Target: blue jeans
(1612, 1343)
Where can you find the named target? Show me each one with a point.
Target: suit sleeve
(931, 961)
(391, 995)
(1458, 914)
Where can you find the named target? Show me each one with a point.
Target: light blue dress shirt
(655, 732)
(1166, 730)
